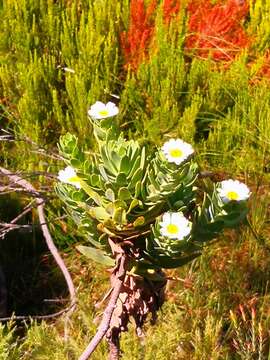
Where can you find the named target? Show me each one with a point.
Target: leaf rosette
(122, 191)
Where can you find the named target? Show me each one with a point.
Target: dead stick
(114, 343)
(107, 315)
(49, 241)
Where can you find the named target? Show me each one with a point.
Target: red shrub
(217, 29)
(135, 42)
(170, 9)
(214, 30)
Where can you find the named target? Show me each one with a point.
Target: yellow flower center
(172, 229)
(74, 179)
(103, 112)
(176, 153)
(232, 195)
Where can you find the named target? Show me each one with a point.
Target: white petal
(67, 175)
(98, 105)
(166, 147)
(112, 109)
(177, 144)
(176, 217)
(96, 110)
(236, 186)
(166, 218)
(110, 105)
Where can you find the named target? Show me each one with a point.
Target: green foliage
(7, 343)
(124, 190)
(57, 58)
(224, 110)
(259, 13)
(214, 216)
(43, 39)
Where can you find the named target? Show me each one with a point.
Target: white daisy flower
(233, 190)
(101, 111)
(176, 150)
(69, 176)
(175, 226)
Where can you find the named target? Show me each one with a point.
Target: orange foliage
(214, 30)
(135, 42)
(217, 30)
(170, 9)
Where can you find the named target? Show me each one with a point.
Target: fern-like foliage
(217, 30)
(136, 40)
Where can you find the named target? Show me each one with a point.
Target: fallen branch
(16, 179)
(66, 310)
(7, 227)
(107, 315)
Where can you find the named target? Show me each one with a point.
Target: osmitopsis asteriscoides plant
(144, 202)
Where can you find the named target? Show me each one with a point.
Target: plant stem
(114, 343)
(18, 180)
(107, 315)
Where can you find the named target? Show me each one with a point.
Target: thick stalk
(114, 343)
(107, 315)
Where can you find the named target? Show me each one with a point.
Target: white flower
(174, 225)
(233, 190)
(176, 150)
(69, 176)
(101, 111)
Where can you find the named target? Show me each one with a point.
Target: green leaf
(94, 179)
(124, 194)
(125, 165)
(99, 213)
(77, 195)
(116, 160)
(120, 204)
(139, 221)
(232, 220)
(153, 181)
(135, 167)
(121, 179)
(213, 227)
(75, 163)
(107, 162)
(133, 204)
(103, 172)
(122, 151)
(138, 189)
(91, 193)
(142, 162)
(119, 216)
(110, 208)
(135, 178)
(96, 255)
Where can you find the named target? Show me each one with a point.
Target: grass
(217, 307)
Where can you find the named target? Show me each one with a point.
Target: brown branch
(66, 310)
(107, 315)
(114, 343)
(12, 224)
(16, 179)
(25, 211)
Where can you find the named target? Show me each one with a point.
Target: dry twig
(107, 315)
(19, 181)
